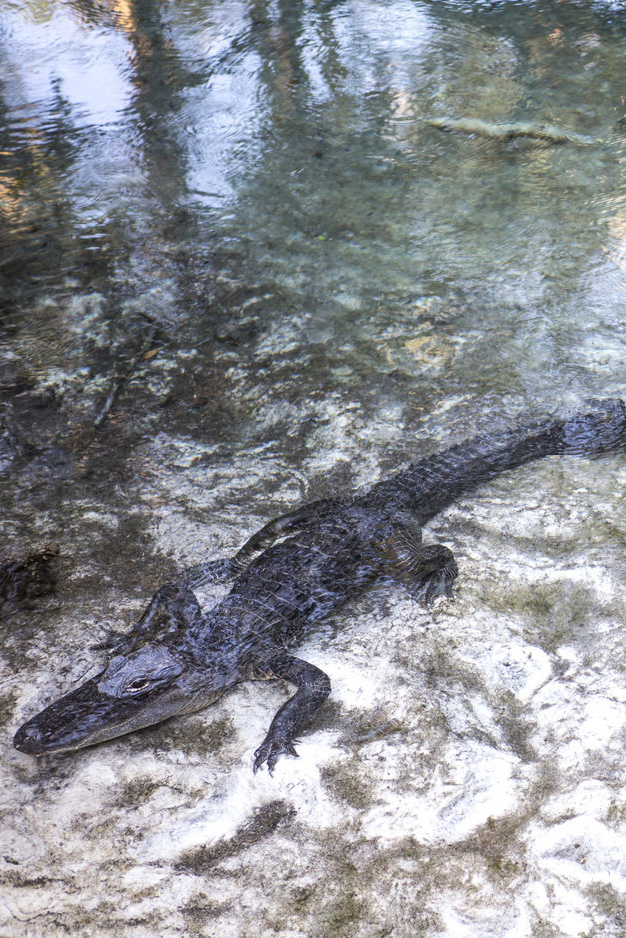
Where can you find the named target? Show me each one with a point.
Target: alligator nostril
(28, 739)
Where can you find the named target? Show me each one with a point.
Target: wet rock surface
(467, 755)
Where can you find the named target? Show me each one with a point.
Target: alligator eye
(138, 685)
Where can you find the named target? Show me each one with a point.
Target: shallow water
(239, 268)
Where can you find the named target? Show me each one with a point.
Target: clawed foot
(436, 584)
(271, 750)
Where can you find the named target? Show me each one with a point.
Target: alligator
(291, 574)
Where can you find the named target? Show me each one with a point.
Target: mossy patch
(611, 905)
(348, 784)
(202, 737)
(7, 707)
(549, 611)
(262, 824)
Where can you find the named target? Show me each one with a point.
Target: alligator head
(135, 690)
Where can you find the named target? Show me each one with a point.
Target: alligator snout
(30, 739)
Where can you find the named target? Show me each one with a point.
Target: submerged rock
(546, 133)
(28, 576)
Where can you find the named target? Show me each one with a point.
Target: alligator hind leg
(435, 577)
(313, 689)
(427, 571)
(211, 571)
(216, 571)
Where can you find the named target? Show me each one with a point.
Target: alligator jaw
(134, 691)
(82, 718)
(87, 716)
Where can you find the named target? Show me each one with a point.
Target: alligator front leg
(313, 689)
(173, 608)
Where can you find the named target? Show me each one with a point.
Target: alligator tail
(430, 485)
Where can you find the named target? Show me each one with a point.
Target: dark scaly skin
(293, 573)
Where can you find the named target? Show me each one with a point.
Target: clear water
(239, 268)
(144, 144)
